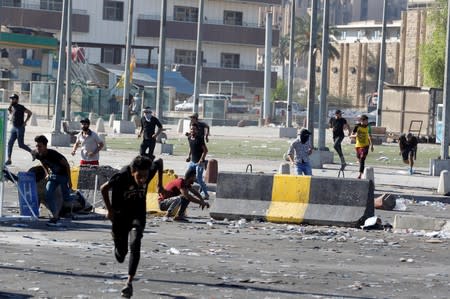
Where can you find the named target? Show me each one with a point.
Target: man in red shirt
(177, 194)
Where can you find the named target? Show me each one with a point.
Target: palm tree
(302, 34)
(281, 53)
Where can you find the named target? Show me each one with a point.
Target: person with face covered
(299, 151)
(91, 144)
(148, 126)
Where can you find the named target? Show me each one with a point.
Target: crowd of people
(124, 194)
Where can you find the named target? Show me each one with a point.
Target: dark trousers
(172, 204)
(147, 144)
(124, 228)
(17, 133)
(337, 145)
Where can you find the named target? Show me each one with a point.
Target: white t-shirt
(89, 143)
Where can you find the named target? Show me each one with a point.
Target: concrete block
(100, 126)
(163, 148)
(285, 168)
(287, 133)
(124, 127)
(58, 139)
(293, 199)
(369, 174)
(112, 118)
(444, 183)
(180, 126)
(437, 165)
(318, 158)
(33, 121)
(418, 222)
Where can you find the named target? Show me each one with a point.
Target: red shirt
(173, 189)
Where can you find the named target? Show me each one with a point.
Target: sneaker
(54, 222)
(127, 291)
(8, 162)
(206, 197)
(411, 171)
(343, 165)
(119, 258)
(166, 219)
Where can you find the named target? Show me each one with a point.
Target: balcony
(254, 78)
(32, 17)
(213, 31)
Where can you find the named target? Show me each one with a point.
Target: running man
(127, 210)
(363, 135)
(408, 150)
(339, 124)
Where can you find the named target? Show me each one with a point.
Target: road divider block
(293, 199)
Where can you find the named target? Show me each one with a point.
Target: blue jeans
(17, 133)
(54, 181)
(199, 176)
(303, 168)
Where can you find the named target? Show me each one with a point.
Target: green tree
(432, 53)
(280, 92)
(302, 35)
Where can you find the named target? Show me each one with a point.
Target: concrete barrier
(444, 183)
(293, 199)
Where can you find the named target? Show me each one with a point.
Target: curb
(415, 222)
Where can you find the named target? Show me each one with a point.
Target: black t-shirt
(196, 146)
(54, 161)
(17, 114)
(127, 196)
(201, 128)
(149, 126)
(338, 126)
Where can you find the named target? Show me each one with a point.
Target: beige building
(355, 74)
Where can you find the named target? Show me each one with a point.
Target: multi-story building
(232, 33)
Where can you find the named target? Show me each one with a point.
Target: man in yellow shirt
(363, 135)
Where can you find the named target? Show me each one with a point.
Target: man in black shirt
(408, 150)
(127, 210)
(196, 157)
(203, 128)
(148, 126)
(338, 124)
(57, 170)
(18, 120)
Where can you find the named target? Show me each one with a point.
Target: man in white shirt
(90, 142)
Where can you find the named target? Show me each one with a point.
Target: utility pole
(291, 67)
(126, 83)
(198, 56)
(446, 117)
(161, 61)
(312, 69)
(382, 66)
(324, 76)
(68, 62)
(60, 79)
(267, 65)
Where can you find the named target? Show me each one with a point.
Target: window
(232, 17)
(185, 56)
(11, 3)
(185, 14)
(229, 60)
(51, 5)
(112, 10)
(111, 55)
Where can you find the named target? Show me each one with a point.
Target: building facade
(232, 33)
(354, 75)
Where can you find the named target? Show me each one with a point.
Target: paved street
(230, 259)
